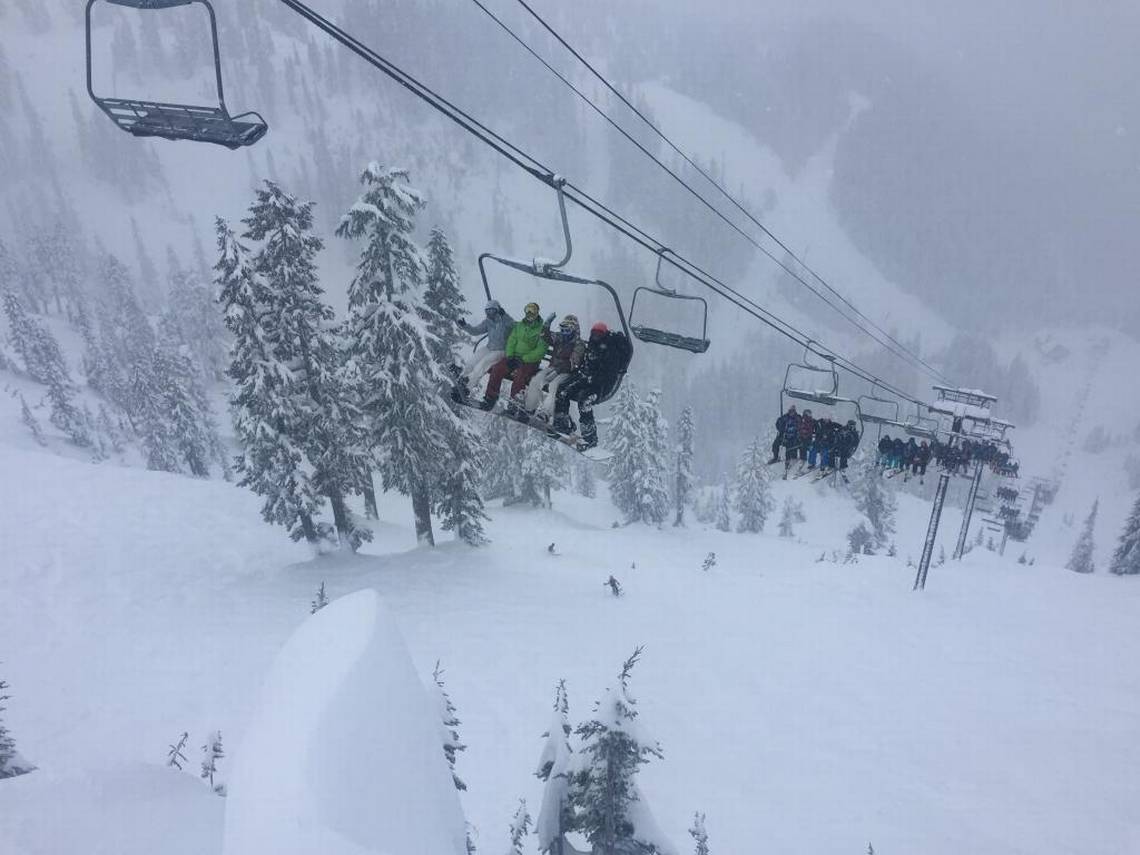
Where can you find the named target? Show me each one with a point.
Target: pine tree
(699, 835)
(291, 411)
(554, 817)
(542, 466)
(788, 518)
(11, 763)
(448, 724)
(1081, 561)
(1126, 558)
(584, 482)
(392, 352)
(192, 322)
(520, 827)
(31, 423)
(723, 517)
(860, 540)
(320, 601)
(212, 752)
(174, 755)
(877, 504)
(603, 786)
(683, 477)
(456, 484)
(638, 441)
(753, 496)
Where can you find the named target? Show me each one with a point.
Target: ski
(571, 440)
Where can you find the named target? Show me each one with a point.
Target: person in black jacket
(607, 356)
(787, 435)
(846, 442)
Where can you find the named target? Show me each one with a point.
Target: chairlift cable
(920, 362)
(538, 170)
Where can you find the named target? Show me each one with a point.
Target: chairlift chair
(827, 397)
(652, 335)
(552, 271)
(206, 123)
(888, 410)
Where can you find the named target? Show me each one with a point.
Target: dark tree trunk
(341, 519)
(421, 508)
(308, 528)
(369, 493)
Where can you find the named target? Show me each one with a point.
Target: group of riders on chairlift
(813, 441)
(579, 370)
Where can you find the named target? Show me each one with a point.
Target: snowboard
(570, 440)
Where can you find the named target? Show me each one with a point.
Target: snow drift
(343, 756)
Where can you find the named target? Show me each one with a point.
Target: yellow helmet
(531, 310)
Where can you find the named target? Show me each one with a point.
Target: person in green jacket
(526, 345)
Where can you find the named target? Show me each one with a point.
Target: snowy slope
(808, 706)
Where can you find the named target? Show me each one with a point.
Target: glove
(550, 319)
(462, 323)
(513, 363)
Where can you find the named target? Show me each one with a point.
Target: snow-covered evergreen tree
(520, 827)
(683, 475)
(392, 354)
(554, 816)
(637, 437)
(584, 481)
(11, 763)
(752, 493)
(31, 422)
(603, 787)
(291, 410)
(542, 466)
(448, 724)
(789, 517)
(1081, 561)
(1126, 558)
(212, 752)
(192, 322)
(319, 601)
(699, 835)
(455, 487)
(723, 515)
(877, 504)
(860, 540)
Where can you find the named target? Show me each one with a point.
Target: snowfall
(805, 706)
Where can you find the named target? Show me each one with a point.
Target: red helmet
(600, 328)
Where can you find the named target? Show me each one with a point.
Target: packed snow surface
(804, 706)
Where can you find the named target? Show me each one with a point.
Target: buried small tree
(11, 763)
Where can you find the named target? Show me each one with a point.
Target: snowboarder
(497, 326)
(524, 351)
(804, 434)
(787, 435)
(607, 356)
(566, 352)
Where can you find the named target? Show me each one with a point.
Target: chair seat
(184, 122)
(668, 339)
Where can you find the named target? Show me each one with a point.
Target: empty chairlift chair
(207, 123)
(653, 335)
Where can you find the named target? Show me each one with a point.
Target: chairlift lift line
(535, 168)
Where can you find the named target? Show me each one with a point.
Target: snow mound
(343, 755)
(136, 810)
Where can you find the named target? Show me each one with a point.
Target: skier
(497, 326)
(524, 351)
(885, 451)
(898, 447)
(606, 358)
(921, 461)
(805, 433)
(566, 352)
(846, 442)
(910, 456)
(787, 435)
